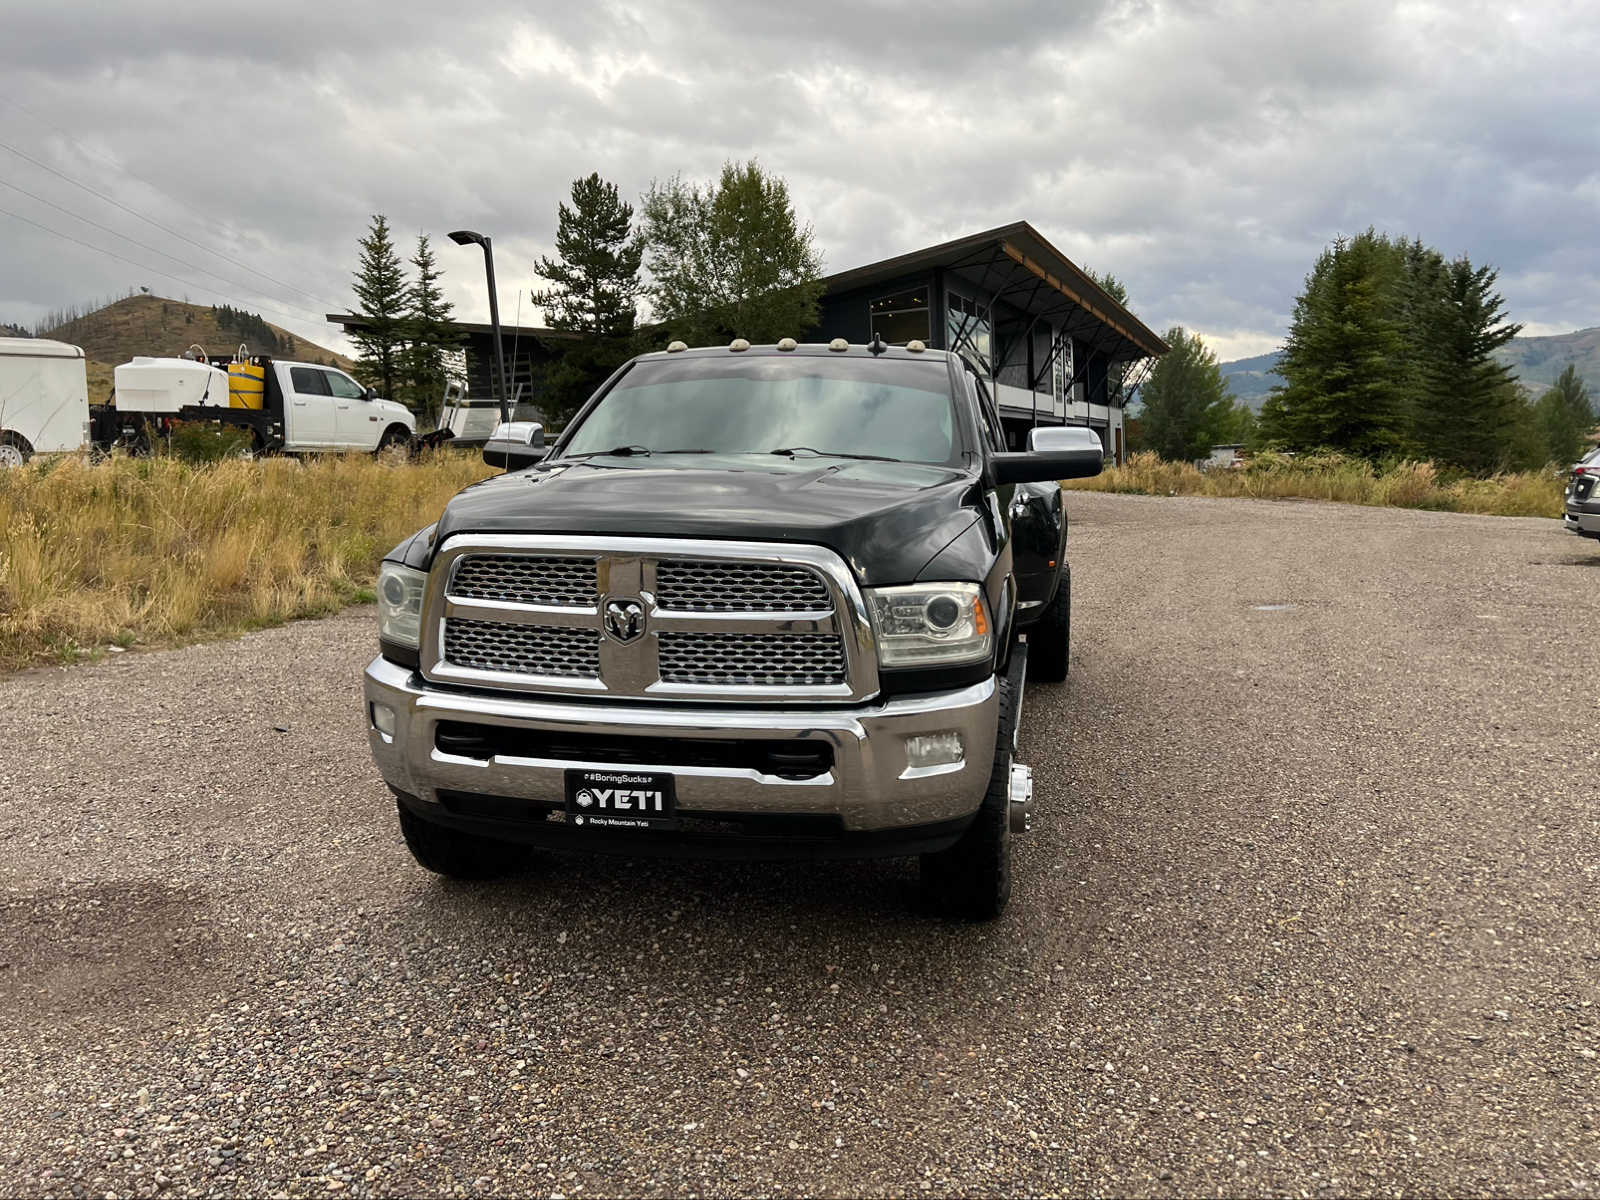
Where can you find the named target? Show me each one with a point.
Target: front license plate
(622, 799)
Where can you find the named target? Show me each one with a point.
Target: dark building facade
(1054, 346)
(529, 351)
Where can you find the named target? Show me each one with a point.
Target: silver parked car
(1583, 497)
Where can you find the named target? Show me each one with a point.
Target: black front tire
(454, 854)
(1050, 637)
(972, 879)
(395, 444)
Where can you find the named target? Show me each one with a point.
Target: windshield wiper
(792, 451)
(639, 452)
(615, 451)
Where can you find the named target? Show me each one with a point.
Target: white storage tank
(165, 385)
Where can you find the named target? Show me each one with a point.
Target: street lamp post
(463, 237)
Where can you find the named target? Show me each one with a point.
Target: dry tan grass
(157, 551)
(1334, 477)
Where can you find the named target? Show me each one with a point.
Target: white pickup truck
(290, 406)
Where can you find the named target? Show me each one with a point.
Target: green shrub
(203, 442)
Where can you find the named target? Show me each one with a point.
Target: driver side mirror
(1054, 452)
(514, 445)
(371, 394)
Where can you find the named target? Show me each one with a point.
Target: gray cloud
(1202, 151)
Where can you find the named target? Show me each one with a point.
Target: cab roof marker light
(838, 345)
(738, 345)
(786, 343)
(916, 346)
(676, 347)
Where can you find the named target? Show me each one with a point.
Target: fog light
(933, 749)
(383, 719)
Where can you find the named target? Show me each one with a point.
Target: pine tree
(1565, 414)
(594, 290)
(380, 287)
(430, 333)
(595, 282)
(1187, 408)
(1468, 408)
(1348, 383)
(730, 259)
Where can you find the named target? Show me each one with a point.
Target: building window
(1058, 370)
(902, 317)
(1064, 370)
(969, 334)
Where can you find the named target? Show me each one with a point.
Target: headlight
(400, 604)
(927, 624)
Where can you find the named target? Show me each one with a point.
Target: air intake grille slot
(526, 579)
(522, 649)
(752, 659)
(691, 585)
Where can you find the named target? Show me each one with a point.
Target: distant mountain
(156, 326)
(1252, 379)
(1535, 361)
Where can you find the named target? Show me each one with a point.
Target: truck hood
(885, 519)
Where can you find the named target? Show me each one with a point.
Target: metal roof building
(529, 351)
(1054, 346)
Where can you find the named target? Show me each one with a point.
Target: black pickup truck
(756, 601)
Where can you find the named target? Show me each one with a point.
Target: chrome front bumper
(1586, 524)
(869, 787)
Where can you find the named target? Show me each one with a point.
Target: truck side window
(344, 387)
(986, 418)
(308, 381)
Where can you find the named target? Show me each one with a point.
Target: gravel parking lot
(1309, 907)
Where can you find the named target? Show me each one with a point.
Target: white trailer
(44, 399)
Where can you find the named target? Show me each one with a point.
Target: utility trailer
(286, 406)
(44, 398)
(470, 421)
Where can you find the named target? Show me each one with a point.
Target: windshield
(761, 404)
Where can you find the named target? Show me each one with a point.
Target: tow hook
(1021, 806)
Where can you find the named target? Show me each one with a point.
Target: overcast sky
(1203, 152)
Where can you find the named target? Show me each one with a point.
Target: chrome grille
(752, 621)
(522, 649)
(693, 585)
(751, 659)
(526, 579)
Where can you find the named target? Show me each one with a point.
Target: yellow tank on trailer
(247, 383)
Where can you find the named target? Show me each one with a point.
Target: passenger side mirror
(371, 394)
(514, 445)
(1054, 452)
